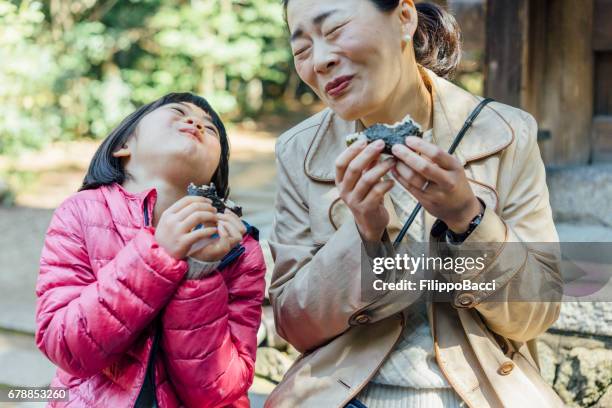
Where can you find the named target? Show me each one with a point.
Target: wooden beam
(565, 85)
(505, 49)
(602, 25)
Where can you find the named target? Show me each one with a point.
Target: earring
(407, 37)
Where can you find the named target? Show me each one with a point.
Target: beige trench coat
(486, 350)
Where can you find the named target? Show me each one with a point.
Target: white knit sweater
(410, 376)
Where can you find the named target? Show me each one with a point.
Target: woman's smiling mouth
(336, 86)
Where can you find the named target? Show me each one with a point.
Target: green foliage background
(73, 69)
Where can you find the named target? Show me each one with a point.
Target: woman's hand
(231, 230)
(174, 229)
(358, 178)
(437, 180)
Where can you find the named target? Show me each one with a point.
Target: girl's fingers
(234, 235)
(432, 152)
(234, 220)
(377, 193)
(182, 214)
(185, 201)
(356, 166)
(426, 168)
(200, 234)
(346, 157)
(198, 217)
(370, 178)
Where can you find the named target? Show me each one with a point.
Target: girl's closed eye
(213, 130)
(178, 110)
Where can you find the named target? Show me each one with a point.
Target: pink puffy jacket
(105, 286)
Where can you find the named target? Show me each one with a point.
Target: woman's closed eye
(178, 110)
(335, 29)
(301, 51)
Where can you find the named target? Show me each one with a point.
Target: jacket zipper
(150, 360)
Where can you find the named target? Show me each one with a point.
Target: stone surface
(584, 376)
(583, 232)
(606, 400)
(579, 368)
(259, 391)
(548, 362)
(271, 363)
(21, 240)
(272, 337)
(21, 363)
(586, 317)
(582, 194)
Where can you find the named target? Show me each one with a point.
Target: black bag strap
(468, 123)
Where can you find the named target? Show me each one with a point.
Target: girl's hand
(174, 229)
(358, 178)
(437, 180)
(231, 230)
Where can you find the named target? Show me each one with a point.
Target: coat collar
(490, 132)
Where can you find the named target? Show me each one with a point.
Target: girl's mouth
(192, 132)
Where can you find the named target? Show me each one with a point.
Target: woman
(375, 61)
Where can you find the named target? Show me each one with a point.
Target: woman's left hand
(437, 180)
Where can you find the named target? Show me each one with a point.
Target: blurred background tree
(73, 69)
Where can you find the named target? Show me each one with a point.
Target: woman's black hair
(105, 169)
(437, 40)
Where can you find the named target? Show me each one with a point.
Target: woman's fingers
(370, 178)
(433, 153)
(349, 174)
(406, 176)
(346, 157)
(377, 193)
(199, 217)
(186, 211)
(425, 167)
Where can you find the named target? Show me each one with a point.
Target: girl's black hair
(437, 40)
(105, 169)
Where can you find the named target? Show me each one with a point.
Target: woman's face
(175, 141)
(348, 52)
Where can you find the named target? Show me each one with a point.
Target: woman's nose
(324, 60)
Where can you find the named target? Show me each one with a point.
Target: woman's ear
(124, 151)
(408, 19)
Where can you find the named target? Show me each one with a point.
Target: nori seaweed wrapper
(391, 135)
(210, 192)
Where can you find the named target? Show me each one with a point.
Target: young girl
(126, 310)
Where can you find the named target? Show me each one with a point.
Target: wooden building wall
(539, 56)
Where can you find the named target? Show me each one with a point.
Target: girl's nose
(197, 124)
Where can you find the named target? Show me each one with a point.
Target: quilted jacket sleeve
(210, 332)
(85, 322)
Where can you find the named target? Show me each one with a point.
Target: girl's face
(349, 52)
(177, 141)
